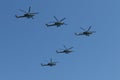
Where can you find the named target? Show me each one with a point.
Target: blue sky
(25, 43)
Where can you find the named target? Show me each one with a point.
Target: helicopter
(85, 32)
(65, 50)
(51, 63)
(26, 14)
(57, 23)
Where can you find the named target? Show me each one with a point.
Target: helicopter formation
(53, 63)
(57, 23)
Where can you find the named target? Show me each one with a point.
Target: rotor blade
(51, 60)
(93, 31)
(34, 13)
(29, 9)
(22, 11)
(89, 28)
(70, 47)
(82, 29)
(52, 22)
(56, 18)
(61, 49)
(65, 47)
(56, 62)
(62, 19)
(65, 24)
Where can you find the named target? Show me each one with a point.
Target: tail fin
(16, 16)
(57, 51)
(76, 34)
(46, 25)
(42, 64)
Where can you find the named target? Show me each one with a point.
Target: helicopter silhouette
(51, 63)
(65, 50)
(85, 32)
(28, 14)
(57, 23)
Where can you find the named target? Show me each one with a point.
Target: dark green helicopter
(85, 32)
(28, 14)
(65, 50)
(51, 63)
(57, 23)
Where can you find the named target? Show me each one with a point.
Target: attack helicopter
(65, 50)
(57, 23)
(51, 63)
(85, 32)
(28, 14)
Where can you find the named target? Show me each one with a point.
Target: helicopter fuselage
(58, 24)
(51, 64)
(87, 33)
(28, 15)
(65, 51)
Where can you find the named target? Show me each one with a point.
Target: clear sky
(25, 43)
